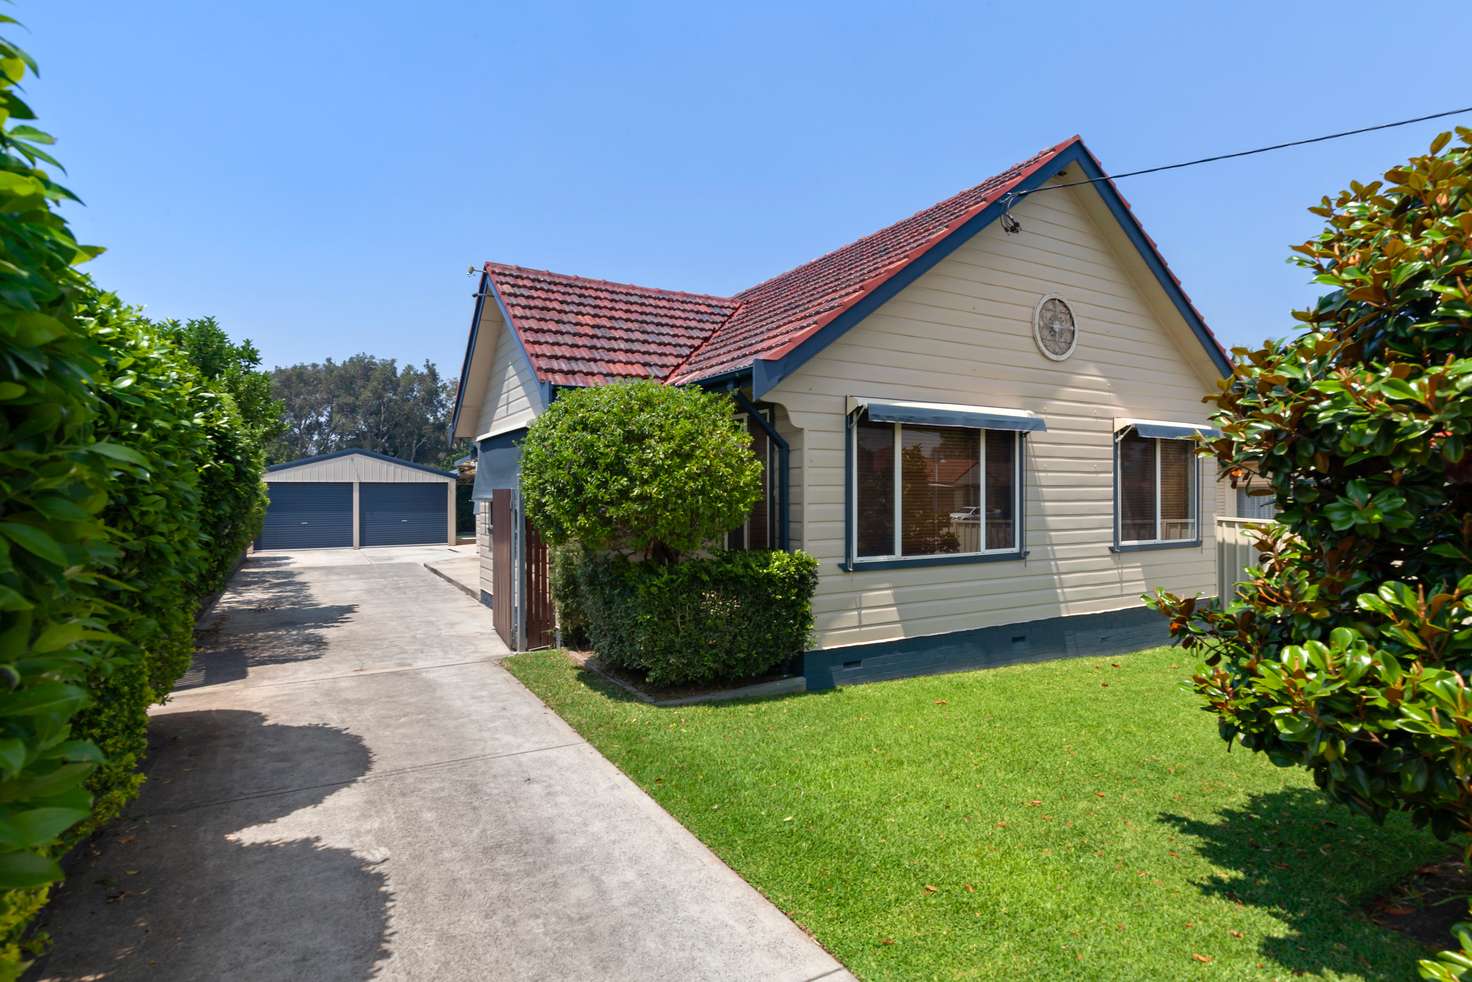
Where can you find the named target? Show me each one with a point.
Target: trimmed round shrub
(639, 467)
(723, 618)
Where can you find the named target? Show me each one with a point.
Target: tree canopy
(365, 402)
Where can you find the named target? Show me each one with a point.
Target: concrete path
(461, 571)
(348, 786)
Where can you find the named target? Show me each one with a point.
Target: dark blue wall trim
(1151, 546)
(848, 490)
(766, 374)
(485, 599)
(860, 565)
(1081, 636)
(366, 453)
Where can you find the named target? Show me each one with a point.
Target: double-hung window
(1157, 474)
(928, 483)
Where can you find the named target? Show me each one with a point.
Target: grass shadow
(1313, 865)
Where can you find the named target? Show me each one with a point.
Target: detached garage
(356, 498)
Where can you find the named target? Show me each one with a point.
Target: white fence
(1235, 551)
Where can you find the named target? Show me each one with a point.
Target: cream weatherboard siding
(962, 333)
(483, 545)
(512, 397)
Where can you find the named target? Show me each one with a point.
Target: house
(979, 419)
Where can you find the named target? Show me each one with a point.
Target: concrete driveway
(348, 786)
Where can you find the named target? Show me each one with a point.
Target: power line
(1014, 196)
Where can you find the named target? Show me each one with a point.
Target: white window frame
(896, 554)
(1194, 494)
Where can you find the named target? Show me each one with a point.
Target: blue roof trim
(1173, 431)
(766, 374)
(480, 298)
(885, 412)
(366, 453)
(488, 289)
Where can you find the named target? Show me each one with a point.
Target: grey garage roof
(364, 453)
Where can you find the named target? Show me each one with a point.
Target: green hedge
(723, 618)
(52, 491)
(566, 562)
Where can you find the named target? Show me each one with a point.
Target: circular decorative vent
(1054, 329)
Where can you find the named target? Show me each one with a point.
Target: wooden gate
(502, 568)
(521, 593)
(541, 625)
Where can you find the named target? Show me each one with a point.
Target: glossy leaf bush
(638, 467)
(1349, 648)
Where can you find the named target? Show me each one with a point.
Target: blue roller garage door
(403, 514)
(308, 516)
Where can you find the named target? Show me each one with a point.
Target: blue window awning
(949, 414)
(1159, 430)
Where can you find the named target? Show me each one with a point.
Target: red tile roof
(585, 332)
(579, 331)
(776, 316)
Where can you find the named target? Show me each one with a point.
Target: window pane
(1001, 493)
(874, 484)
(942, 489)
(1177, 489)
(1136, 488)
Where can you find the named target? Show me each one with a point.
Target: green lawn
(1077, 819)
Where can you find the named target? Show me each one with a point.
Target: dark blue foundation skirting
(1083, 635)
(485, 598)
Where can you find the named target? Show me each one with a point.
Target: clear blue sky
(318, 175)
